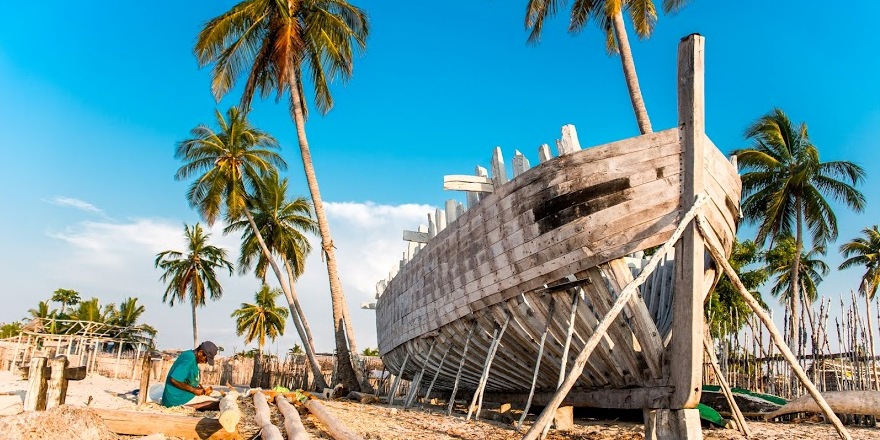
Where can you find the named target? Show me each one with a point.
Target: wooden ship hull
(542, 257)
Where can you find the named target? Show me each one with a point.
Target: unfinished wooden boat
(506, 294)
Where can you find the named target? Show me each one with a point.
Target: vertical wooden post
(15, 353)
(35, 399)
(686, 357)
(397, 379)
(118, 356)
(57, 388)
(145, 378)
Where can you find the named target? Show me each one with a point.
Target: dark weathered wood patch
(565, 208)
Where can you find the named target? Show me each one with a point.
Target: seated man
(182, 386)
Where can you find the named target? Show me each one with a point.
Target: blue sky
(95, 94)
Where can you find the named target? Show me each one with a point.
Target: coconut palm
(725, 302)
(282, 224)
(785, 186)
(865, 251)
(274, 43)
(193, 273)
(258, 320)
(92, 311)
(608, 14)
(67, 297)
(128, 314)
(812, 269)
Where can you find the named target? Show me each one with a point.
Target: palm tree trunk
(629, 73)
(195, 327)
(343, 331)
(302, 328)
(794, 344)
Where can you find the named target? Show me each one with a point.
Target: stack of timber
(501, 297)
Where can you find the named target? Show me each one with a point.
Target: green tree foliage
(864, 251)
(260, 319)
(192, 275)
(67, 298)
(272, 44)
(725, 310)
(371, 352)
(9, 330)
(780, 260)
(91, 310)
(786, 187)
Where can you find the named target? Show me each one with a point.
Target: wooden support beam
(336, 429)
(293, 425)
(716, 250)
(725, 389)
(467, 343)
(437, 373)
(569, 142)
(57, 388)
(416, 383)
(601, 329)
(686, 349)
(468, 183)
(551, 311)
(477, 401)
(393, 390)
(144, 423)
(268, 431)
(38, 375)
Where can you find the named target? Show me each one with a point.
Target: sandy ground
(379, 422)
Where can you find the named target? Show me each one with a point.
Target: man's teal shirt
(185, 369)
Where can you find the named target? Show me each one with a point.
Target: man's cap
(210, 350)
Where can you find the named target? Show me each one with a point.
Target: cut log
(145, 379)
(38, 375)
(143, 423)
(230, 414)
(364, 398)
(842, 402)
(336, 429)
(268, 431)
(292, 422)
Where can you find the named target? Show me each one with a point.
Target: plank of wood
(144, 423)
(38, 375)
(415, 236)
(468, 183)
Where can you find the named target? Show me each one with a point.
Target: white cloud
(75, 203)
(114, 260)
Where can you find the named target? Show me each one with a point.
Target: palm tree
(258, 320)
(274, 42)
(282, 224)
(785, 187)
(129, 313)
(725, 301)
(811, 270)
(193, 272)
(67, 297)
(92, 311)
(865, 251)
(608, 14)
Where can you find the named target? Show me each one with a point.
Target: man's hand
(206, 391)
